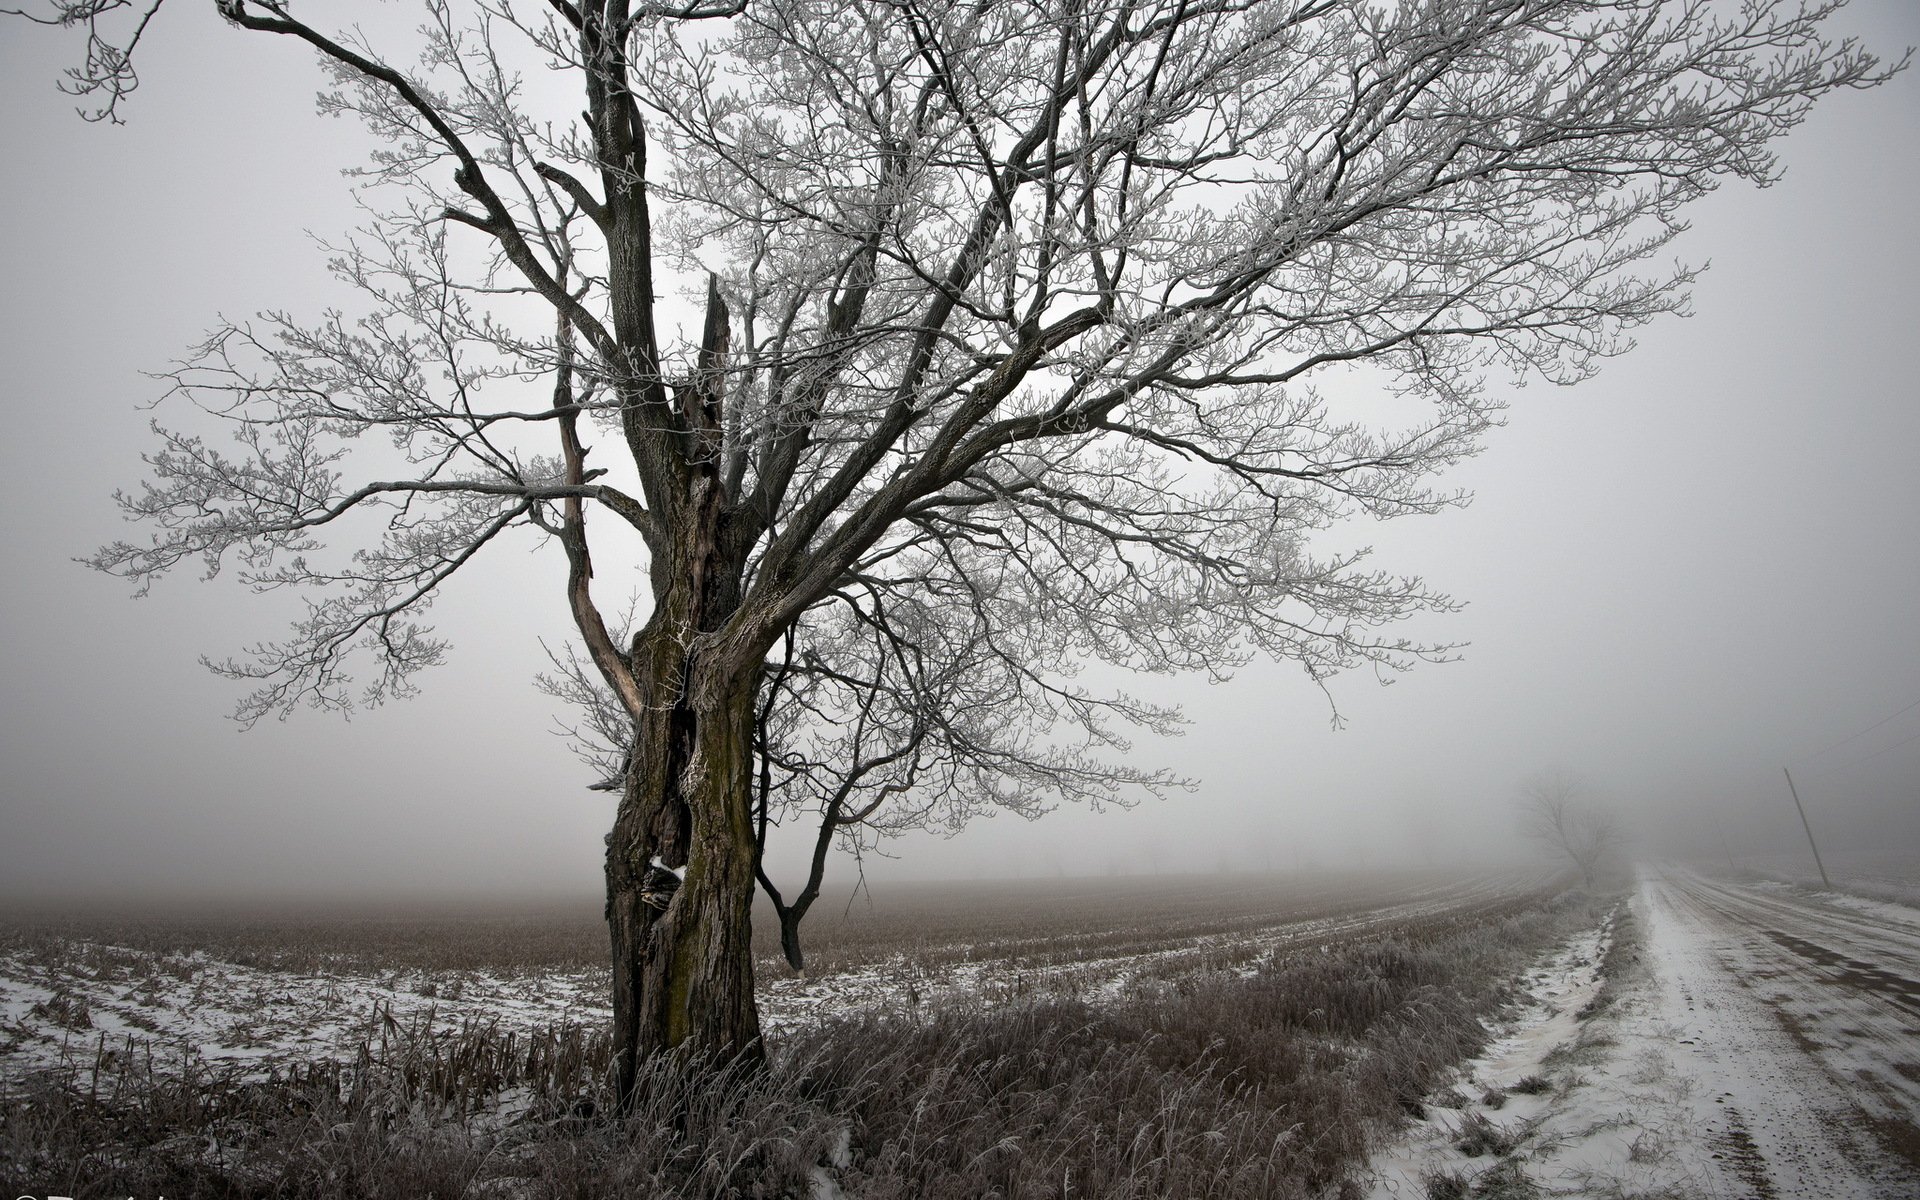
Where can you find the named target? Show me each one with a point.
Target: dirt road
(1753, 1041)
(1797, 1018)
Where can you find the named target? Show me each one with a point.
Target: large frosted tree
(923, 350)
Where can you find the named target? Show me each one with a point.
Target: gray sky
(1697, 568)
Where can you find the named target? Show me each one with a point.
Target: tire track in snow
(1810, 1055)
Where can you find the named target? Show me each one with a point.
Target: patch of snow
(1885, 910)
(193, 1006)
(1544, 1018)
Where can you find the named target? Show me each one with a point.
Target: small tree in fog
(1016, 335)
(1556, 814)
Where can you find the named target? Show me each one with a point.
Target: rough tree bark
(685, 973)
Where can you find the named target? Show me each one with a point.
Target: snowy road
(1755, 1042)
(1798, 1021)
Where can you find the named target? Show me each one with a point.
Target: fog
(1681, 577)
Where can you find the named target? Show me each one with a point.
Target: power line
(1869, 729)
(1822, 774)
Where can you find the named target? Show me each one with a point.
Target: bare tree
(1022, 335)
(1554, 813)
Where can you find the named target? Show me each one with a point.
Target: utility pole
(1824, 881)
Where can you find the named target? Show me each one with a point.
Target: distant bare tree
(1555, 815)
(1009, 325)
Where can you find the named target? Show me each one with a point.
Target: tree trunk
(683, 974)
(683, 965)
(790, 939)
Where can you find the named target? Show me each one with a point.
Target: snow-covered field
(936, 975)
(1892, 874)
(70, 998)
(61, 998)
(1753, 1040)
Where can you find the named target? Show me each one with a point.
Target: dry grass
(1271, 1084)
(1505, 1180)
(1477, 1136)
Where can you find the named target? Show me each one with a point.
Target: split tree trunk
(683, 976)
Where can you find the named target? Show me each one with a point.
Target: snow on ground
(1756, 1043)
(61, 998)
(1892, 876)
(1885, 910)
(1543, 1018)
(1745, 1040)
(903, 981)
